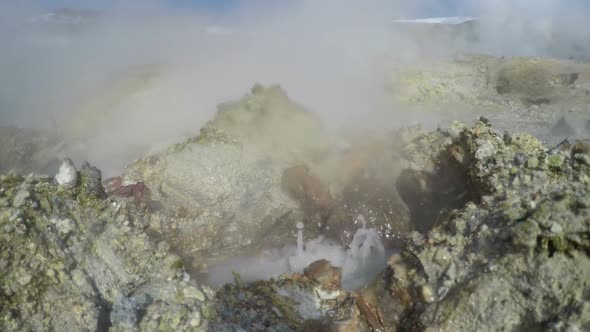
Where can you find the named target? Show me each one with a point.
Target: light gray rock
(67, 176)
(21, 197)
(226, 183)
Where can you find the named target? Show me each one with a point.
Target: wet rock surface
(293, 303)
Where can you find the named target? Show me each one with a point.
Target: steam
(533, 28)
(360, 263)
(143, 75)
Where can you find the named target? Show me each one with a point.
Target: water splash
(365, 258)
(300, 238)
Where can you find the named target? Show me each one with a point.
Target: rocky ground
(548, 98)
(490, 219)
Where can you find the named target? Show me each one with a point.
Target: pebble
(556, 228)
(208, 291)
(427, 294)
(323, 272)
(196, 320)
(442, 257)
(193, 293)
(451, 273)
(532, 162)
(64, 226)
(20, 198)
(15, 216)
(23, 277)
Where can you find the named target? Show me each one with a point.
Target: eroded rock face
(515, 258)
(73, 260)
(225, 184)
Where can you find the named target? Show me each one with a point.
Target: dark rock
(91, 180)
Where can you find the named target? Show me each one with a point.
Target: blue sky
(440, 7)
(98, 4)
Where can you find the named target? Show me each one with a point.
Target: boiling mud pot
(360, 264)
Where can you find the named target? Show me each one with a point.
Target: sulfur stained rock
(225, 186)
(508, 245)
(82, 262)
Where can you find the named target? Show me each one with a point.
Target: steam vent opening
(431, 195)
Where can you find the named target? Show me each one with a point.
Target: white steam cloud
(141, 74)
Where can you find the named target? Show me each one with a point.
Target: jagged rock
(514, 258)
(91, 180)
(83, 262)
(67, 176)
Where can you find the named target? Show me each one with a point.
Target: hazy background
(135, 74)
